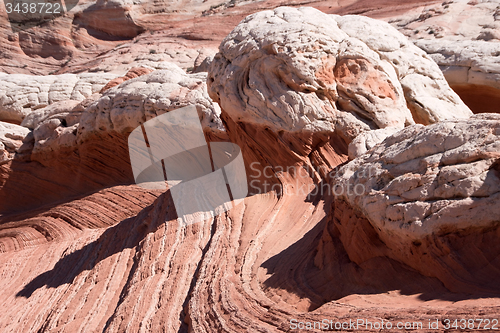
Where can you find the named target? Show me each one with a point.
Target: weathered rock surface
(21, 94)
(116, 260)
(302, 70)
(135, 101)
(463, 38)
(91, 36)
(82, 37)
(131, 74)
(422, 185)
(154, 50)
(69, 138)
(471, 68)
(203, 60)
(451, 20)
(67, 221)
(34, 118)
(11, 138)
(466, 62)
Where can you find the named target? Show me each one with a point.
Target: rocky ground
(382, 137)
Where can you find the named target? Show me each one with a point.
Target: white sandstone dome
(302, 70)
(426, 181)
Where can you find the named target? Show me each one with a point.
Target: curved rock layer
(11, 137)
(428, 197)
(463, 37)
(302, 70)
(66, 221)
(480, 99)
(94, 32)
(21, 94)
(255, 268)
(74, 150)
(29, 181)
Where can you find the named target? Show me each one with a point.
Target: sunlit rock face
(85, 250)
(11, 139)
(300, 70)
(463, 38)
(21, 94)
(431, 195)
(86, 141)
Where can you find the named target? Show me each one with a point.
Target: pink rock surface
(84, 250)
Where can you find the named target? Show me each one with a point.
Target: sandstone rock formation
(92, 29)
(301, 70)
(94, 32)
(427, 192)
(260, 80)
(152, 50)
(73, 137)
(131, 74)
(20, 94)
(126, 106)
(472, 20)
(110, 258)
(11, 137)
(471, 68)
(34, 118)
(463, 38)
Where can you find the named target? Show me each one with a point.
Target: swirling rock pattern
(87, 143)
(128, 105)
(302, 70)
(421, 185)
(275, 257)
(463, 37)
(11, 137)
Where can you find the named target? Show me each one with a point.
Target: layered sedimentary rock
(431, 195)
(83, 36)
(463, 37)
(261, 81)
(471, 68)
(131, 74)
(11, 137)
(67, 221)
(254, 268)
(128, 105)
(152, 50)
(89, 33)
(69, 139)
(20, 94)
(307, 71)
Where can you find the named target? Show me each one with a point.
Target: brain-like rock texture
(73, 137)
(452, 20)
(11, 138)
(81, 255)
(122, 108)
(301, 70)
(20, 94)
(463, 37)
(128, 105)
(131, 74)
(424, 183)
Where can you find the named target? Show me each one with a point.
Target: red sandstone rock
(79, 258)
(430, 197)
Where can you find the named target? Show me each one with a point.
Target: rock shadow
(28, 184)
(325, 273)
(126, 234)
